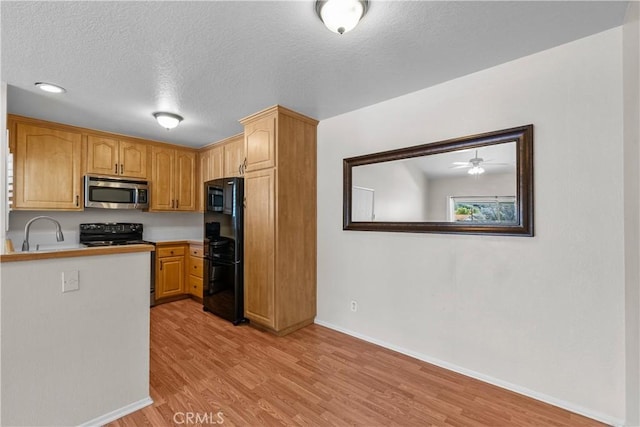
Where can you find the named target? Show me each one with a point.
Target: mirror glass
(480, 184)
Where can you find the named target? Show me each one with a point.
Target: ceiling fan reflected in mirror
(474, 165)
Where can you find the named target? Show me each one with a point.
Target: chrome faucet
(59, 236)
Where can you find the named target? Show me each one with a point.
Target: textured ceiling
(216, 62)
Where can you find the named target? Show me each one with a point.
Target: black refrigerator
(223, 249)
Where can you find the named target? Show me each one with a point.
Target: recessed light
(167, 120)
(49, 87)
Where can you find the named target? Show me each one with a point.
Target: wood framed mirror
(479, 184)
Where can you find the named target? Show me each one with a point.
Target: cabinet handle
(172, 203)
(121, 169)
(160, 265)
(240, 168)
(77, 200)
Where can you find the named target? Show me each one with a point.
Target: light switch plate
(70, 281)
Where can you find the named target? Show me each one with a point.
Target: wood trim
(71, 253)
(228, 140)
(280, 109)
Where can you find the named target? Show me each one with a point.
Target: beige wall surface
(543, 315)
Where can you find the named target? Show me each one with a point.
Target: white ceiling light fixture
(50, 87)
(168, 120)
(341, 16)
(476, 170)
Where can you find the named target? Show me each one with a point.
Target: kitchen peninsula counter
(75, 252)
(78, 351)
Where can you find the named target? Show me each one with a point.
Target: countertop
(179, 242)
(76, 252)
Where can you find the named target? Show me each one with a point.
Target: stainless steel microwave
(115, 193)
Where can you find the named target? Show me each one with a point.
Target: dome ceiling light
(50, 87)
(341, 16)
(168, 120)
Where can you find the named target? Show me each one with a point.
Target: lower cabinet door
(170, 276)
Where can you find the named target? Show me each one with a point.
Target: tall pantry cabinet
(280, 219)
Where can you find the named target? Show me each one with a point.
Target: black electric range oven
(115, 234)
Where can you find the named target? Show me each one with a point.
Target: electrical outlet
(354, 305)
(70, 281)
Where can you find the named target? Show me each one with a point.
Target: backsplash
(157, 225)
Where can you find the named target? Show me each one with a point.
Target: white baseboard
(118, 413)
(482, 377)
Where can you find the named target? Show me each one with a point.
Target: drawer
(195, 266)
(195, 286)
(169, 251)
(196, 251)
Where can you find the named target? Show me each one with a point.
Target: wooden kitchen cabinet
(234, 157)
(260, 142)
(259, 246)
(196, 272)
(217, 163)
(223, 159)
(172, 183)
(170, 271)
(108, 156)
(280, 220)
(47, 166)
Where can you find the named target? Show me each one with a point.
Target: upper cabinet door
(47, 168)
(133, 159)
(102, 155)
(217, 162)
(260, 143)
(162, 176)
(234, 157)
(108, 156)
(185, 193)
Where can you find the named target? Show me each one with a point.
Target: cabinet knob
(171, 252)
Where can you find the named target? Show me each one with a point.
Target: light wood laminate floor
(239, 376)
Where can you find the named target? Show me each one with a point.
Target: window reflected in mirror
(480, 184)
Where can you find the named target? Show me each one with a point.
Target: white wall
(157, 226)
(401, 190)
(631, 75)
(69, 358)
(542, 315)
(3, 195)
